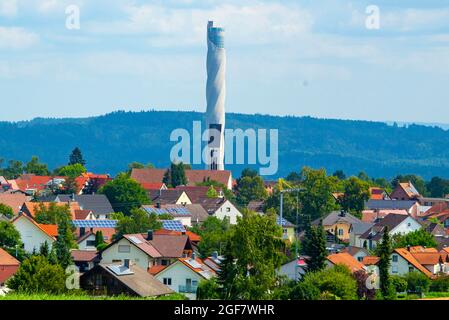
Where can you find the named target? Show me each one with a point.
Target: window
(394, 269)
(167, 281)
(411, 269)
(164, 262)
(228, 209)
(395, 258)
(340, 232)
(90, 243)
(360, 259)
(124, 248)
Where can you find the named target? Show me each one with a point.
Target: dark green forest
(112, 141)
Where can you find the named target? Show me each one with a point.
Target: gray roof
(199, 214)
(361, 228)
(97, 203)
(139, 281)
(336, 216)
(389, 204)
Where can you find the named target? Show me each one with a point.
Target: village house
(395, 223)
(33, 234)
(341, 223)
(221, 208)
(428, 261)
(184, 275)
(85, 259)
(405, 191)
(345, 259)
(169, 196)
(8, 266)
(147, 250)
(357, 253)
(295, 269)
(126, 278)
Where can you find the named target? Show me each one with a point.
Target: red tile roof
(84, 255)
(407, 255)
(156, 269)
(370, 260)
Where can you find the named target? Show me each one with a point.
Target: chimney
(193, 255)
(82, 231)
(126, 263)
(342, 213)
(158, 204)
(72, 197)
(408, 248)
(215, 255)
(150, 235)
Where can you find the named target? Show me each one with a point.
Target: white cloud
(253, 23)
(17, 38)
(8, 8)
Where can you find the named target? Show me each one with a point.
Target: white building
(33, 234)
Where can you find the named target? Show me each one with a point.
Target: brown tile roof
(7, 260)
(256, 206)
(149, 175)
(140, 281)
(404, 253)
(346, 259)
(370, 260)
(84, 255)
(372, 215)
(81, 214)
(212, 204)
(13, 200)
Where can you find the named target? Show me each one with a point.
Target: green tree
(13, 170)
(417, 282)
(125, 194)
(336, 282)
(37, 275)
(64, 242)
(51, 213)
(438, 187)
(418, 237)
(37, 168)
(9, 236)
(208, 290)
(384, 251)
(356, 192)
(138, 165)
(250, 186)
(69, 186)
(314, 246)
(252, 276)
(316, 199)
(76, 157)
(211, 192)
(6, 211)
(71, 170)
(138, 221)
(339, 174)
(175, 175)
(214, 234)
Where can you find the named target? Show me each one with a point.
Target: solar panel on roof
(193, 263)
(173, 225)
(94, 223)
(120, 270)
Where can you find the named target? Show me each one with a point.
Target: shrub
(440, 284)
(417, 282)
(399, 283)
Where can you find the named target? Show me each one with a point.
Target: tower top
(215, 34)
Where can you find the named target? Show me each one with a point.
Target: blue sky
(286, 57)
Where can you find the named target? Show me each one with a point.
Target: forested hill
(112, 141)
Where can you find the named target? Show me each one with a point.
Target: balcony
(187, 289)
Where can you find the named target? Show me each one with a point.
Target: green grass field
(43, 296)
